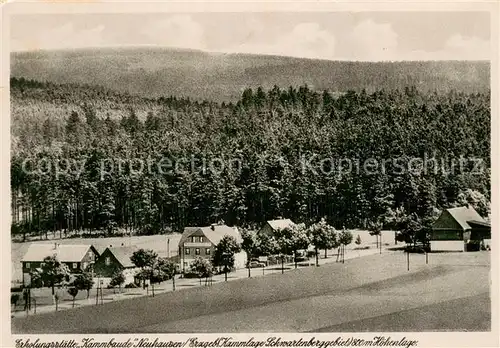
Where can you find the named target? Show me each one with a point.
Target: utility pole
(97, 292)
(380, 242)
(225, 257)
(173, 281)
(168, 247)
(102, 299)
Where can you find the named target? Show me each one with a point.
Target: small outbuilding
(456, 228)
(271, 226)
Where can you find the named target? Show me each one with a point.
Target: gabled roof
(214, 233)
(123, 254)
(188, 231)
(464, 214)
(64, 252)
(280, 224)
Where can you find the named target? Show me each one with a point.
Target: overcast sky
(369, 36)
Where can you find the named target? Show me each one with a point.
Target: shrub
(130, 286)
(73, 292)
(190, 275)
(14, 299)
(362, 248)
(311, 254)
(358, 240)
(117, 280)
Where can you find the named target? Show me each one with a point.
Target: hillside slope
(154, 72)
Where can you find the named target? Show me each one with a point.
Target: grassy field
(158, 243)
(308, 299)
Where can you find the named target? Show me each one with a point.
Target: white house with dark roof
(78, 257)
(200, 242)
(456, 227)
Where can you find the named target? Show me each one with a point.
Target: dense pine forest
(277, 153)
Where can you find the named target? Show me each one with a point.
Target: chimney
(212, 227)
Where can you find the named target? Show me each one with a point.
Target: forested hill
(287, 141)
(155, 72)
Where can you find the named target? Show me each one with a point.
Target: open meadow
(333, 297)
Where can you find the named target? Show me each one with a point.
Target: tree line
(271, 133)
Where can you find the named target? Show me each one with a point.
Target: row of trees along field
(275, 134)
(154, 269)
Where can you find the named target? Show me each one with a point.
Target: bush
(130, 286)
(362, 248)
(14, 299)
(311, 254)
(190, 275)
(118, 279)
(473, 246)
(73, 292)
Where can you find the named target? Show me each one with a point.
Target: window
(193, 239)
(75, 265)
(107, 261)
(42, 264)
(187, 251)
(84, 265)
(27, 265)
(185, 264)
(201, 239)
(197, 251)
(207, 251)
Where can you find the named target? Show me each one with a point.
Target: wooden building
(458, 227)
